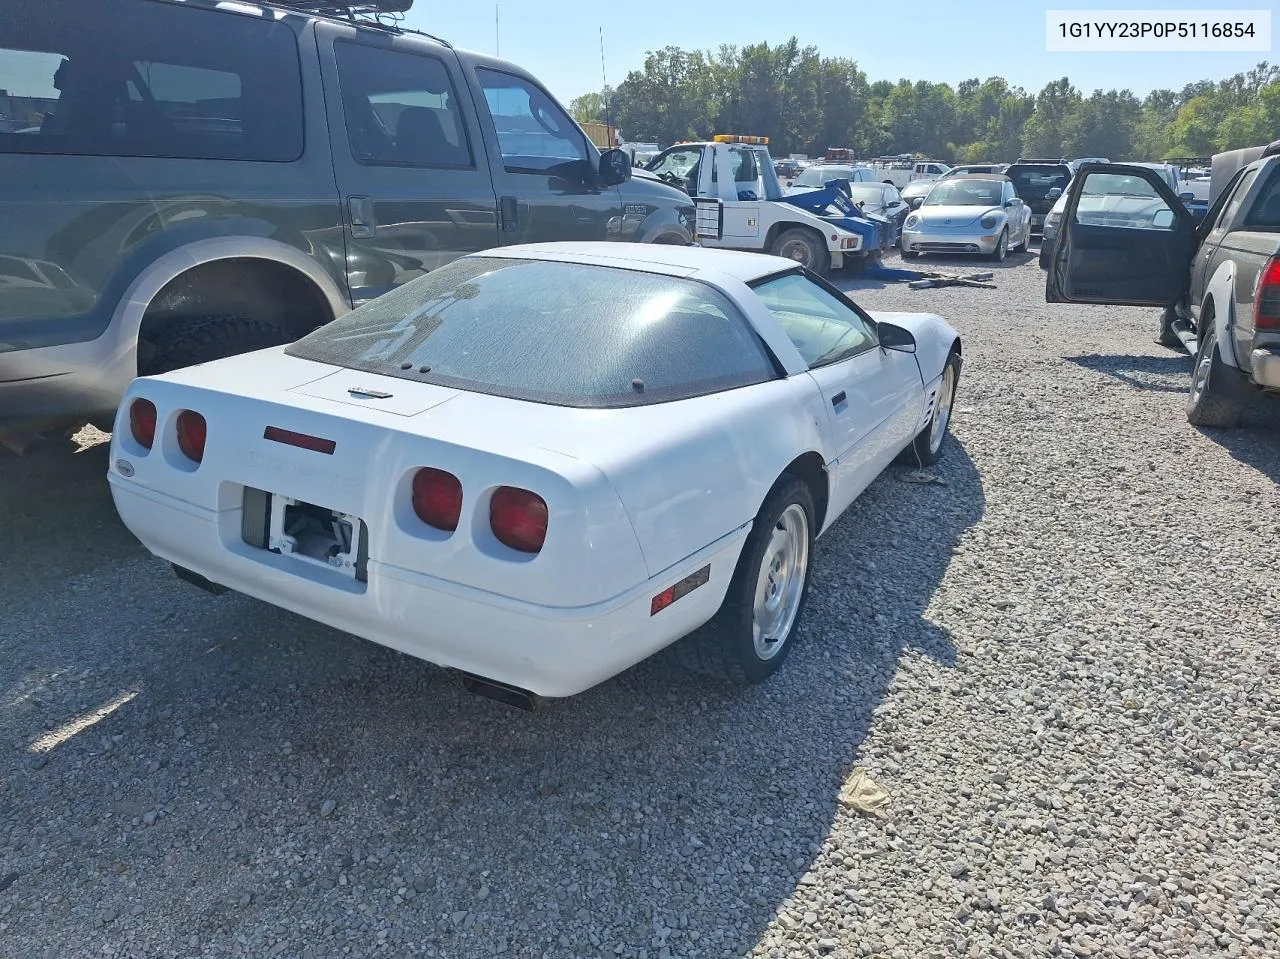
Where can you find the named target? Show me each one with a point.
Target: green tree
(1056, 105)
(591, 107)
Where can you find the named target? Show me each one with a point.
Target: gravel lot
(1060, 662)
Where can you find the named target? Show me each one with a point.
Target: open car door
(1125, 239)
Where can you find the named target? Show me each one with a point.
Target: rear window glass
(1035, 181)
(566, 334)
(148, 79)
(1265, 212)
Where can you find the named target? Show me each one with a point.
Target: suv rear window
(1265, 212)
(1032, 181)
(148, 79)
(566, 334)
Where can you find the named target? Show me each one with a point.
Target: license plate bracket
(307, 532)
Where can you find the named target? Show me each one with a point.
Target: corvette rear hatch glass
(566, 334)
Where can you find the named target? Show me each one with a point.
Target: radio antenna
(604, 89)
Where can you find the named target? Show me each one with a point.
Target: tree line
(805, 102)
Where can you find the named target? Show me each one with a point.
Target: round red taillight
(437, 498)
(142, 422)
(518, 518)
(192, 430)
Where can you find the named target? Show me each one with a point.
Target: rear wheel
(804, 247)
(749, 638)
(1219, 392)
(187, 342)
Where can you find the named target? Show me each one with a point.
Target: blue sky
(939, 40)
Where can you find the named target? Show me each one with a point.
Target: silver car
(976, 213)
(921, 188)
(815, 177)
(1121, 187)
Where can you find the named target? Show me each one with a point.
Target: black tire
(182, 343)
(799, 240)
(1219, 393)
(725, 647)
(922, 451)
(1045, 254)
(1002, 247)
(1165, 336)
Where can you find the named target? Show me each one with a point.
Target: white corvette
(541, 464)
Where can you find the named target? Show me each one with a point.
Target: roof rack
(386, 14)
(349, 11)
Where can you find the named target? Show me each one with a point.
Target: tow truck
(740, 205)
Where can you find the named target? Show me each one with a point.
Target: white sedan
(541, 464)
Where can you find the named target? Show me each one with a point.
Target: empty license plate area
(307, 532)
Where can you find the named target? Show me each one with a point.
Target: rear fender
(1220, 297)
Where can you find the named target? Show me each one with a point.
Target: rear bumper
(545, 650)
(1265, 364)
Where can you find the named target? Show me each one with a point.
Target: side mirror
(1054, 193)
(615, 168)
(896, 338)
(1162, 220)
(916, 201)
(1016, 201)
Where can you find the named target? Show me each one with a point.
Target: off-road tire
(723, 648)
(1220, 402)
(183, 343)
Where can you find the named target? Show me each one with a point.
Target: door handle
(838, 398)
(362, 221)
(508, 214)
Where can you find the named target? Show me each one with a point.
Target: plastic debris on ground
(863, 794)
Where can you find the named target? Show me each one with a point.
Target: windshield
(965, 193)
(816, 176)
(1034, 182)
(568, 334)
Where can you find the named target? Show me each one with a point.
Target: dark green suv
(181, 181)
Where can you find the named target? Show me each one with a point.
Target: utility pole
(496, 43)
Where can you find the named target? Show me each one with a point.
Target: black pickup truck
(1218, 280)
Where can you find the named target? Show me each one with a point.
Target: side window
(400, 108)
(744, 166)
(170, 81)
(823, 328)
(1266, 211)
(1122, 201)
(534, 135)
(1237, 197)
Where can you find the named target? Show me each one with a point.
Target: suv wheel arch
(127, 323)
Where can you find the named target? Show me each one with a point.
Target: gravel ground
(1060, 662)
